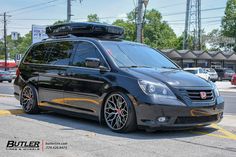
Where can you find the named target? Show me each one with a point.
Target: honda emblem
(203, 95)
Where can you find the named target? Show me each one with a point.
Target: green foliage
(130, 33)
(158, 34)
(229, 20)
(15, 46)
(93, 18)
(59, 22)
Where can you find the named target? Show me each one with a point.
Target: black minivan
(94, 74)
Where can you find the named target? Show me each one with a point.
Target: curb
(6, 95)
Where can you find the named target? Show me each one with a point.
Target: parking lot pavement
(225, 86)
(81, 137)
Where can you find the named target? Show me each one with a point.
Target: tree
(16, 46)
(130, 32)
(229, 20)
(59, 22)
(157, 33)
(93, 18)
(215, 40)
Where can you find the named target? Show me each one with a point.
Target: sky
(24, 13)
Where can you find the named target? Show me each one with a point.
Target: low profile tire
(28, 100)
(119, 113)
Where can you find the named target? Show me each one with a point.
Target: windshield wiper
(135, 66)
(170, 68)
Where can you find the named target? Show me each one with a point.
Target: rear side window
(60, 53)
(86, 50)
(37, 54)
(201, 71)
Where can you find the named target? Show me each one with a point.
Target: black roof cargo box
(85, 29)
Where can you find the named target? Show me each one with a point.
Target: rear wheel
(28, 99)
(119, 113)
(10, 81)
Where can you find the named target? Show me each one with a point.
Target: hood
(176, 78)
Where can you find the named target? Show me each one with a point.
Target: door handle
(71, 74)
(60, 73)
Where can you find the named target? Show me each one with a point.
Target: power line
(203, 10)
(32, 6)
(172, 5)
(32, 10)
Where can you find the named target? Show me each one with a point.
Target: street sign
(15, 35)
(38, 33)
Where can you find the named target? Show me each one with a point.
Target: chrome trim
(71, 78)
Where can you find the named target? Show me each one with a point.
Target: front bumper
(179, 116)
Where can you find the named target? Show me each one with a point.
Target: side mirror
(92, 62)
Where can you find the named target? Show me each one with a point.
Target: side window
(36, 54)
(86, 50)
(201, 71)
(60, 53)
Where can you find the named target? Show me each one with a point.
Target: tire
(10, 81)
(29, 100)
(119, 117)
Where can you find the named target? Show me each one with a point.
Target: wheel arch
(111, 90)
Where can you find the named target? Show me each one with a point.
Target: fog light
(162, 119)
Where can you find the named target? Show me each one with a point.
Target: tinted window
(201, 71)
(37, 54)
(86, 50)
(131, 54)
(192, 71)
(60, 53)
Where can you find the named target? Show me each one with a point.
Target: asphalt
(86, 138)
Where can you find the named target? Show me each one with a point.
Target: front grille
(195, 95)
(194, 120)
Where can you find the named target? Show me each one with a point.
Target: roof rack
(85, 29)
(60, 37)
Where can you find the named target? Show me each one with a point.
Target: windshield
(192, 71)
(229, 71)
(210, 70)
(135, 55)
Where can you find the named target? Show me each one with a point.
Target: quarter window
(37, 54)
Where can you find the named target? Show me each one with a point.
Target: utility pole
(69, 11)
(5, 36)
(139, 21)
(192, 32)
(5, 39)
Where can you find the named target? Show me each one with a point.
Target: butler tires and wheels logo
(23, 145)
(35, 145)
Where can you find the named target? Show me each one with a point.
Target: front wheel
(119, 113)
(28, 99)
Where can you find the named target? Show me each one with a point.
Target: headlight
(216, 91)
(156, 89)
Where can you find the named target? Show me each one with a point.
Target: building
(205, 59)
